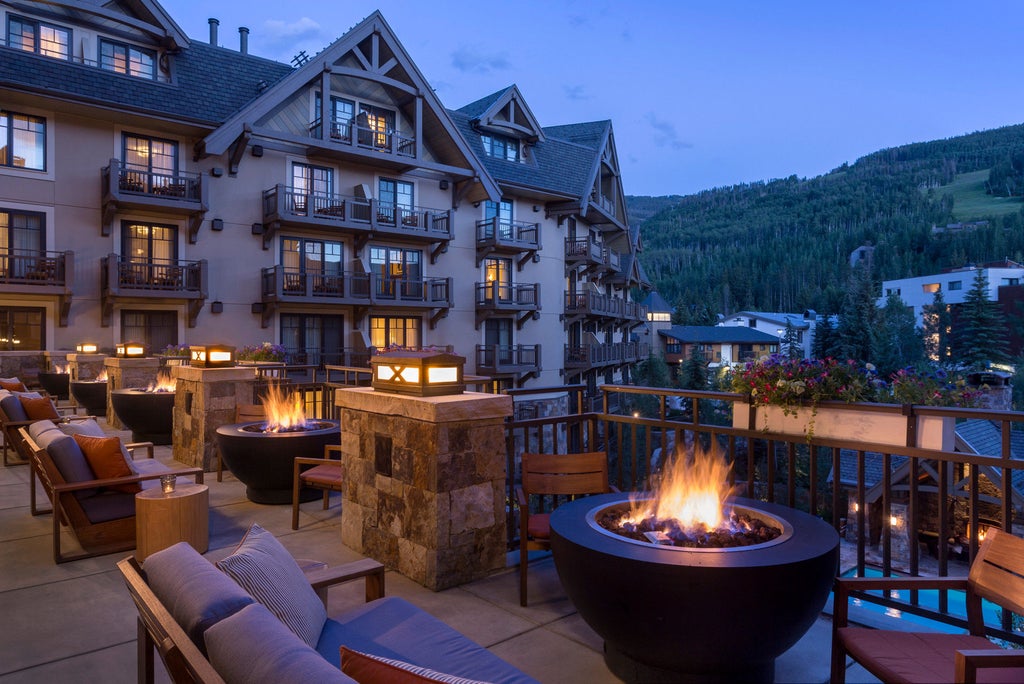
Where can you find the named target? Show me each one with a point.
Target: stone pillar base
(205, 399)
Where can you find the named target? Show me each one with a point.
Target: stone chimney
(214, 23)
(243, 40)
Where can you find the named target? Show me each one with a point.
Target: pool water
(926, 598)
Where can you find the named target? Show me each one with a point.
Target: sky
(701, 94)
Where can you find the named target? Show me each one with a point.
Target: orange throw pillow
(13, 386)
(106, 460)
(38, 408)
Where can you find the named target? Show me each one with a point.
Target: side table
(162, 520)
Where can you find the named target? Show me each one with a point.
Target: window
(399, 271)
(342, 113)
(375, 125)
(312, 338)
(955, 285)
(320, 260)
(892, 291)
(22, 141)
(1011, 281)
(501, 147)
(498, 276)
(38, 37)
(145, 243)
(22, 328)
(392, 195)
(930, 287)
(149, 163)
(155, 329)
(127, 59)
(22, 240)
(310, 180)
(502, 212)
(395, 331)
(498, 332)
(658, 317)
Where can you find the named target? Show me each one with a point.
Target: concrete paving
(75, 622)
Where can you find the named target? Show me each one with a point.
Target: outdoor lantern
(213, 356)
(418, 373)
(87, 348)
(130, 350)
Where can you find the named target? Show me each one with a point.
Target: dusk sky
(701, 94)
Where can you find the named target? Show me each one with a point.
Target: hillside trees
(937, 324)
(895, 341)
(980, 337)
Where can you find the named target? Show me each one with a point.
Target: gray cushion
(268, 572)
(253, 646)
(67, 456)
(394, 628)
(195, 593)
(39, 427)
(88, 427)
(12, 408)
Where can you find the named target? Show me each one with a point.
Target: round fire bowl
(264, 461)
(56, 384)
(91, 395)
(149, 415)
(678, 614)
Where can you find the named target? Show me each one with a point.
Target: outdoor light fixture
(87, 348)
(418, 373)
(130, 350)
(212, 356)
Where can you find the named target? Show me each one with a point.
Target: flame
(691, 492)
(102, 377)
(163, 383)
(57, 368)
(284, 410)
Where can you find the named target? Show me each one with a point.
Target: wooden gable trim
(511, 99)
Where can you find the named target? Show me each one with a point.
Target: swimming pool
(926, 598)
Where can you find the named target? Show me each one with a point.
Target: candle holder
(167, 483)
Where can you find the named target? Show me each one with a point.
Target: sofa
(255, 616)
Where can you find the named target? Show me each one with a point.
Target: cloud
(665, 134)
(473, 60)
(575, 92)
(277, 31)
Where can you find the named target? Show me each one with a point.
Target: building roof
(798, 320)
(655, 303)
(717, 334)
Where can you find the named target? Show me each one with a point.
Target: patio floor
(75, 622)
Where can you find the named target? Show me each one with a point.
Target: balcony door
(498, 333)
(22, 242)
(399, 272)
(155, 329)
(304, 258)
(395, 197)
(310, 181)
(151, 164)
(498, 277)
(376, 125)
(149, 253)
(312, 338)
(501, 212)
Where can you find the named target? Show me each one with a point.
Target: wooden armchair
(997, 575)
(103, 520)
(326, 474)
(553, 474)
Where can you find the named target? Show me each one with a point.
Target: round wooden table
(162, 520)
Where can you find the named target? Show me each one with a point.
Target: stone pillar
(127, 374)
(85, 366)
(55, 360)
(425, 482)
(205, 399)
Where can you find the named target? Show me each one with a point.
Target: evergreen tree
(826, 338)
(857, 318)
(896, 342)
(980, 334)
(791, 347)
(693, 372)
(936, 330)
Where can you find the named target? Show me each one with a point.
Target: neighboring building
(659, 317)
(165, 190)
(954, 284)
(719, 345)
(774, 324)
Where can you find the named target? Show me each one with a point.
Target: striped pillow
(367, 668)
(266, 570)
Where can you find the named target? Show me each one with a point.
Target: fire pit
(676, 613)
(147, 412)
(91, 395)
(261, 454)
(56, 382)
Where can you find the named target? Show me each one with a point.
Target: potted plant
(266, 352)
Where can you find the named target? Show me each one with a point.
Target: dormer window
(501, 147)
(127, 59)
(38, 37)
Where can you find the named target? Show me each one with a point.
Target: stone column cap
(213, 374)
(445, 409)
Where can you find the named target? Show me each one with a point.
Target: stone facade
(85, 366)
(127, 374)
(205, 399)
(425, 483)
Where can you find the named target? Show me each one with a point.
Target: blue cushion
(12, 408)
(253, 646)
(196, 594)
(70, 461)
(108, 505)
(394, 628)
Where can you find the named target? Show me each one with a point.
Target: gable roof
(505, 112)
(716, 334)
(655, 303)
(797, 320)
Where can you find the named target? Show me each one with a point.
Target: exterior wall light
(212, 356)
(420, 374)
(130, 350)
(87, 347)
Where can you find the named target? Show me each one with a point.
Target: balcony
(519, 360)
(351, 134)
(591, 256)
(588, 356)
(25, 272)
(496, 298)
(581, 305)
(494, 236)
(363, 219)
(122, 278)
(178, 194)
(280, 285)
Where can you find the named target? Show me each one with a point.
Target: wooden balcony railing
(508, 296)
(179, 193)
(350, 133)
(123, 277)
(585, 356)
(582, 304)
(497, 359)
(24, 272)
(293, 285)
(494, 235)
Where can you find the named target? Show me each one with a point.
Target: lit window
(35, 36)
(501, 147)
(22, 141)
(659, 317)
(931, 288)
(127, 59)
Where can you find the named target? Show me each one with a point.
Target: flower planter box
(840, 421)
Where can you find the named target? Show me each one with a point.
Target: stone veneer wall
(205, 399)
(425, 483)
(127, 374)
(85, 366)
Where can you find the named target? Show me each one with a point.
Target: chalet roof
(716, 334)
(655, 303)
(797, 320)
(209, 83)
